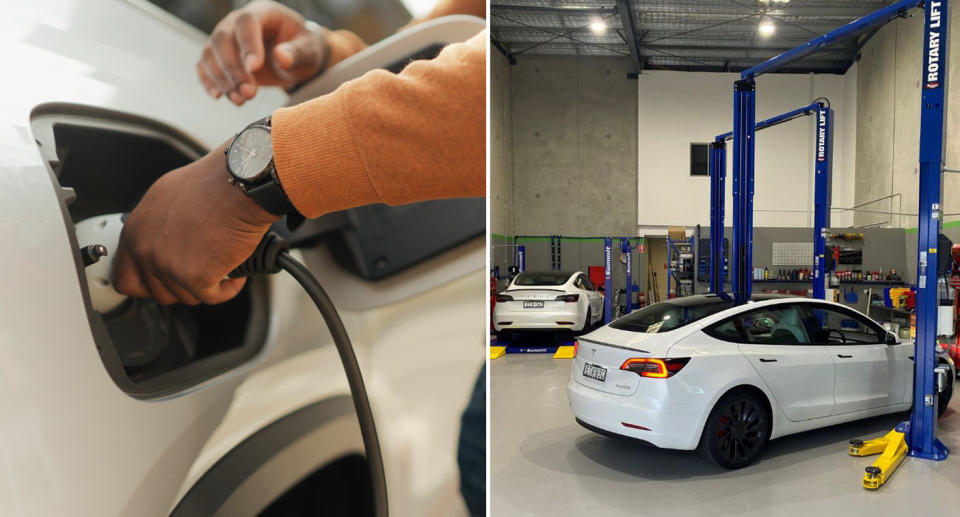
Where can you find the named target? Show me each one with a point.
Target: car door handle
(841, 356)
(765, 360)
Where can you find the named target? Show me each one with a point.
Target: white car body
(535, 307)
(72, 442)
(806, 386)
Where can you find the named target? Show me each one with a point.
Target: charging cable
(271, 256)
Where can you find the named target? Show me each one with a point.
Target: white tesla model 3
(701, 372)
(550, 300)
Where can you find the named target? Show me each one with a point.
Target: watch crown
(232, 180)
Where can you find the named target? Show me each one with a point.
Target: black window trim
(709, 329)
(880, 331)
(588, 282)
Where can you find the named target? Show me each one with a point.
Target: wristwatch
(250, 163)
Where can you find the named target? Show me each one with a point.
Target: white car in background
(701, 372)
(549, 300)
(234, 409)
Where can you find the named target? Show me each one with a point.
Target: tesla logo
(933, 47)
(822, 137)
(594, 350)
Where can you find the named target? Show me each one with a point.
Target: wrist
(248, 210)
(239, 205)
(342, 44)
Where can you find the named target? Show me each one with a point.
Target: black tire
(587, 325)
(736, 431)
(944, 399)
(504, 336)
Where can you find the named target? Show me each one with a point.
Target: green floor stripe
(633, 240)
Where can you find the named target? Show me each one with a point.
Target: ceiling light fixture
(766, 27)
(598, 26)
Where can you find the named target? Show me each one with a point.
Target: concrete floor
(543, 463)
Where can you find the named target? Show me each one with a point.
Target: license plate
(595, 372)
(532, 305)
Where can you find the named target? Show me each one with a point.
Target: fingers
(211, 67)
(207, 82)
(126, 276)
(249, 37)
(158, 291)
(223, 291)
(180, 292)
(229, 57)
(299, 52)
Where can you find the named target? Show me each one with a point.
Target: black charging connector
(272, 255)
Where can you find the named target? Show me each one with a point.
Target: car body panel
(864, 376)
(672, 409)
(785, 368)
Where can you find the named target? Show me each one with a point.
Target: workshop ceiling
(702, 35)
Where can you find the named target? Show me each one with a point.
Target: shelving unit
(680, 267)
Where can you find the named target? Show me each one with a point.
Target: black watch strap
(271, 198)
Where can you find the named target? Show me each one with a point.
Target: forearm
(389, 138)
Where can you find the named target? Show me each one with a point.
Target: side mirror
(892, 339)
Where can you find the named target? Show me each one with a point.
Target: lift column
(823, 171)
(626, 250)
(521, 258)
(744, 119)
(607, 281)
(921, 435)
(718, 173)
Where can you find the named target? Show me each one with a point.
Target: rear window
(541, 278)
(667, 316)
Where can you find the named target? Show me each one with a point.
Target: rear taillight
(568, 298)
(655, 368)
(576, 347)
(504, 298)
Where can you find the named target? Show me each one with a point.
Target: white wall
(676, 108)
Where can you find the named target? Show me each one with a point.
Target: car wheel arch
(752, 388)
(271, 449)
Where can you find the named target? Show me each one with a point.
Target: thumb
(304, 51)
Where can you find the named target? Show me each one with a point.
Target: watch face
(250, 153)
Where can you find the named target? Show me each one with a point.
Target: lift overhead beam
(823, 171)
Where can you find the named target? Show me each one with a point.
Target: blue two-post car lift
(918, 436)
(823, 171)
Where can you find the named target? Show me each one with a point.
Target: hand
(262, 44)
(187, 233)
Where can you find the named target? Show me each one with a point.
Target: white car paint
(71, 441)
(808, 386)
(516, 315)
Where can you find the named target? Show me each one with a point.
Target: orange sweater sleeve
(389, 138)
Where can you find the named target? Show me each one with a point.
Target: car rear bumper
(569, 319)
(669, 426)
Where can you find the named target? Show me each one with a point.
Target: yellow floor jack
(892, 448)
